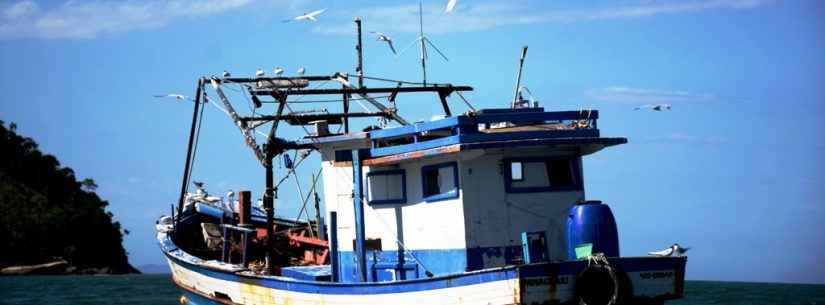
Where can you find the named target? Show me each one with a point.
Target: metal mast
(518, 78)
(360, 49)
(421, 38)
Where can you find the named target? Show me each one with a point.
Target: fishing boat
(482, 207)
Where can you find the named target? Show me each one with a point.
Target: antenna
(518, 78)
(424, 41)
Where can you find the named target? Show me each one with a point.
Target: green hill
(47, 215)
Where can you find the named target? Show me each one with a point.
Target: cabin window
(561, 172)
(389, 186)
(439, 181)
(530, 175)
(516, 173)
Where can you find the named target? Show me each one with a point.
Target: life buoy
(597, 284)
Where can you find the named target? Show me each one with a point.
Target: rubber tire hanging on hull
(597, 285)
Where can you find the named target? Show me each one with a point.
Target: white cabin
(455, 195)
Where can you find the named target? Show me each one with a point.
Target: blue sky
(734, 170)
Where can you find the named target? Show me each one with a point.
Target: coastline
(62, 267)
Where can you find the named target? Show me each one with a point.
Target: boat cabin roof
(487, 128)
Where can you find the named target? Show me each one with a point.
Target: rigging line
(392, 80)
(466, 101)
(313, 88)
(243, 93)
(326, 101)
(297, 180)
(302, 126)
(297, 99)
(207, 99)
(195, 147)
(399, 242)
(523, 209)
(373, 102)
(216, 106)
(249, 138)
(341, 177)
(291, 170)
(312, 189)
(306, 200)
(358, 101)
(401, 81)
(301, 194)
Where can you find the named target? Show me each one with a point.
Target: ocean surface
(159, 290)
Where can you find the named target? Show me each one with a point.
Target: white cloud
(484, 15)
(88, 19)
(20, 9)
(620, 94)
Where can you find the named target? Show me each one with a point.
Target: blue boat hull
(643, 279)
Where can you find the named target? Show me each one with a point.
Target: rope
(465, 101)
(401, 81)
(195, 147)
(328, 100)
(306, 200)
(392, 80)
(291, 170)
(387, 226)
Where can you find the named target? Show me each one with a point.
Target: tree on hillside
(46, 213)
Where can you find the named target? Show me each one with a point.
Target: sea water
(159, 290)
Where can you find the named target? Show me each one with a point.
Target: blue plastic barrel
(592, 222)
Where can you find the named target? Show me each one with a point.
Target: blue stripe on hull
(380, 264)
(437, 261)
(288, 284)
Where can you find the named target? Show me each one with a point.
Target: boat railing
(484, 126)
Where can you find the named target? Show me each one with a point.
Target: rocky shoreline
(62, 267)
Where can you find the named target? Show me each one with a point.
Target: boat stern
(625, 280)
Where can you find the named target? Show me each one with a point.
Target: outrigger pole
(518, 78)
(187, 166)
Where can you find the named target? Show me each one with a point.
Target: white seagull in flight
(308, 16)
(674, 249)
(173, 95)
(450, 6)
(657, 107)
(381, 37)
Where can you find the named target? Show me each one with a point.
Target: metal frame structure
(295, 86)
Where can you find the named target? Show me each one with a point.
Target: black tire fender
(597, 285)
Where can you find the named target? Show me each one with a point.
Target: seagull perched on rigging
(301, 71)
(450, 6)
(226, 74)
(308, 16)
(674, 249)
(278, 71)
(656, 107)
(174, 95)
(382, 37)
(259, 72)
